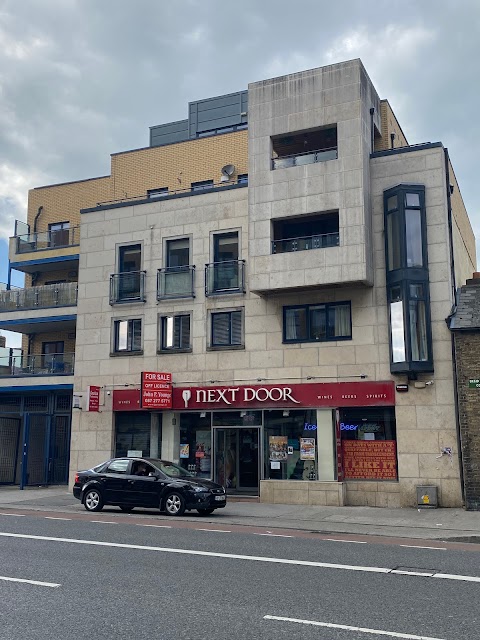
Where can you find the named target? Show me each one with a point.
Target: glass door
(236, 459)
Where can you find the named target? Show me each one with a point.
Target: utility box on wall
(427, 497)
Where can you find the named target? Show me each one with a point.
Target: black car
(147, 482)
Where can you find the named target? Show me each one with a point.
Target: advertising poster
(184, 451)
(369, 459)
(307, 448)
(278, 447)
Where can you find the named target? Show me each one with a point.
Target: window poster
(307, 448)
(278, 448)
(184, 451)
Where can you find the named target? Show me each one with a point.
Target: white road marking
(104, 521)
(330, 625)
(157, 526)
(272, 535)
(351, 541)
(232, 556)
(17, 515)
(53, 585)
(425, 574)
(215, 530)
(54, 518)
(416, 546)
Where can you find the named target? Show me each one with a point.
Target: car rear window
(117, 466)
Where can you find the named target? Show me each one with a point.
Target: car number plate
(220, 498)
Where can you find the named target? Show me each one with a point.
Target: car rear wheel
(125, 508)
(205, 512)
(174, 504)
(92, 500)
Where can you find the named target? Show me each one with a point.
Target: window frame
(114, 351)
(307, 308)
(202, 185)
(160, 332)
(213, 346)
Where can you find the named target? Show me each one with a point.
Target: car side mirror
(153, 475)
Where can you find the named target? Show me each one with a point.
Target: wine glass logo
(186, 395)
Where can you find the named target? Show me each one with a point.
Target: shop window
(408, 280)
(132, 433)
(317, 323)
(127, 336)
(368, 437)
(227, 329)
(175, 333)
(196, 444)
(290, 445)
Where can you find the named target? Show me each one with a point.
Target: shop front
(299, 442)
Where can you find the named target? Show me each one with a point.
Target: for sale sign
(156, 390)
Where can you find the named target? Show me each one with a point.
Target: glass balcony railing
(127, 287)
(176, 282)
(225, 277)
(309, 157)
(43, 297)
(47, 240)
(305, 244)
(16, 363)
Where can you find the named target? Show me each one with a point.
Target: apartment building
(287, 261)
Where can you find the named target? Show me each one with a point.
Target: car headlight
(199, 489)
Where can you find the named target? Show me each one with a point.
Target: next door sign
(156, 390)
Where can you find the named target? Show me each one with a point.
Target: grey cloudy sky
(80, 79)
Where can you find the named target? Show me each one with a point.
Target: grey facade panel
(168, 133)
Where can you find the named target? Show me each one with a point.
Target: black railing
(225, 277)
(306, 243)
(176, 282)
(307, 157)
(127, 287)
(43, 297)
(48, 240)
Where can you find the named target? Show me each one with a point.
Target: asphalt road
(119, 580)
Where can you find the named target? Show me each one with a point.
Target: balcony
(176, 282)
(306, 243)
(39, 241)
(42, 297)
(225, 277)
(46, 364)
(309, 157)
(127, 287)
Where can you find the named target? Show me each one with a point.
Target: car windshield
(172, 470)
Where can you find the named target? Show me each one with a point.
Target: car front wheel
(174, 504)
(92, 500)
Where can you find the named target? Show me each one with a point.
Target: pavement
(427, 524)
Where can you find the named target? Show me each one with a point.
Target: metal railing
(43, 297)
(37, 241)
(308, 157)
(127, 287)
(43, 364)
(176, 282)
(306, 243)
(225, 277)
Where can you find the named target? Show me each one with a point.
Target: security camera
(109, 393)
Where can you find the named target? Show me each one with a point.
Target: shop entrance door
(236, 464)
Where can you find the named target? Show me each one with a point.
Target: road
(131, 577)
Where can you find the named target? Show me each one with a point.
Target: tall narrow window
(227, 329)
(175, 333)
(127, 336)
(397, 325)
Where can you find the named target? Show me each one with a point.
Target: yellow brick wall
(176, 166)
(50, 276)
(40, 338)
(389, 125)
(461, 217)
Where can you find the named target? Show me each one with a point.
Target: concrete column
(171, 436)
(155, 421)
(326, 445)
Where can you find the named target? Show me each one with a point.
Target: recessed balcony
(127, 287)
(306, 243)
(307, 147)
(223, 278)
(42, 297)
(176, 282)
(40, 241)
(14, 363)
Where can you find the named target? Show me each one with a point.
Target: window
(304, 147)
(178, 252)
(175, 333)
(242, 178)
(227, 329)
(127, 336)
(157, 193)
(418, 323)
(397, 325)
(202, 186)
(59, 234)
(317, 323)
(128, 284)
(302, 233)
(52, 356)
(118, 466)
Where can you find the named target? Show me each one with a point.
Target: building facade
(289, 260)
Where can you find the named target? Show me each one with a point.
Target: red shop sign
(327, 394)
(93, 398)
(156, 390)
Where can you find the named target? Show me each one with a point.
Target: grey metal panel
(168, 133)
